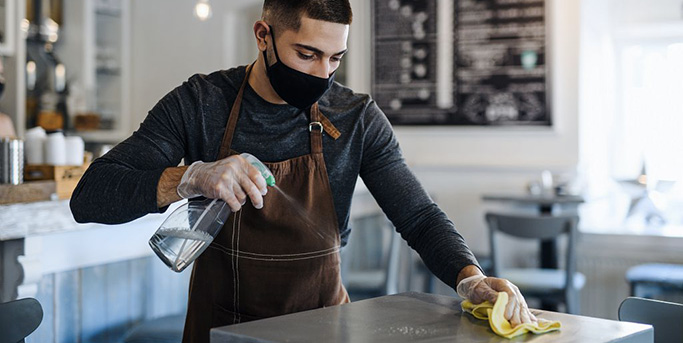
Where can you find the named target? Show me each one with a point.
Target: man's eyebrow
(318, 51)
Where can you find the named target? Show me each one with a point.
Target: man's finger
(239, 194)
(257, 178)
(255, 196)
(515, 320)
(232, 201)
(510, 308)
(525, 315)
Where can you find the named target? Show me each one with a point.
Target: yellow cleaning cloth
(496, 316)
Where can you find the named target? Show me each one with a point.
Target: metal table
(544, 202)
(411, 317)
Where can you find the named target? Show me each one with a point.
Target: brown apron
(280, 259)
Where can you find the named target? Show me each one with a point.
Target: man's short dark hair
(286, 14)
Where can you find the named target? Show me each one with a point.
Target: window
(649, 129)
(631, 115)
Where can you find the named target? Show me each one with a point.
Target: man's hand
(231, 179)
(479, 288)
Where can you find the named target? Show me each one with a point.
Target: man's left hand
(479, 288)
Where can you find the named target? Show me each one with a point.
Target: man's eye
(336, 59)
(304, 56)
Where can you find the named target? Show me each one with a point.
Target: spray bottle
(189, 230)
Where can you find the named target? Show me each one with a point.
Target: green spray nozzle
(270, 179)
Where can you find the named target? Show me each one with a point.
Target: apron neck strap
(315, 128)
(232, 120)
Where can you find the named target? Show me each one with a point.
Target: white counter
(43, 237)
(52, 217)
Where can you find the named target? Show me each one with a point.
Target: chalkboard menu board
(461, 62)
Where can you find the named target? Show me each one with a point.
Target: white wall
(170, 44)
(456, 164)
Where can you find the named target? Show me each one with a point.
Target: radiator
(604, 259)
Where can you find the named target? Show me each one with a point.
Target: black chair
(552, 286)
(650, 279)
(370, 263)
(665, 317)
(18, 318)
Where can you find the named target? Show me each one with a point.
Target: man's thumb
(491, 295)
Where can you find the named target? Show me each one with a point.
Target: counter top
(412, 316)
(42, 238)
(43, 217)
(49, 217)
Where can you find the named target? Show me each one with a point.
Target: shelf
(101, 136)
(27, 192)
(97, 46)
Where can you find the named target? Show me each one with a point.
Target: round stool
(657, 276)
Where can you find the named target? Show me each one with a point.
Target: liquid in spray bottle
(189, 230)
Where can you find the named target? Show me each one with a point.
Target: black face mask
(298, 89)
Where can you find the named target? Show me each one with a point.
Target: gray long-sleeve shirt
(189, 123)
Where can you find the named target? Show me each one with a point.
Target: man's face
(316, 49)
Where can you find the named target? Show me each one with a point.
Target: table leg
(548, 250)
(548, 255)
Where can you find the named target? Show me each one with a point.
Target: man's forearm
(168, 183)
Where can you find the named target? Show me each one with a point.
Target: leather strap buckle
(315, 123)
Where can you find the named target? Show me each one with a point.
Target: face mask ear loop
(272, 35)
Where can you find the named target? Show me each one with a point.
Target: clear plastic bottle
(189, 230)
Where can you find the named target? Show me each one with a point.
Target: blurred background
(602, 127)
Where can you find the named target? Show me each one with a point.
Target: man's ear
(261, 30)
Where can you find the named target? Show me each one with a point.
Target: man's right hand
(231, 179)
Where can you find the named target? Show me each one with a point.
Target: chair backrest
(531, 226)
(371, 261)
(536, 227)
(18, 318)
(665, 317)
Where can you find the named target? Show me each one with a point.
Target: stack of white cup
(34, 145)
(53, 149)
(75, 147)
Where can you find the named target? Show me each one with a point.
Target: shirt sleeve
(416, 217)
(122, 185)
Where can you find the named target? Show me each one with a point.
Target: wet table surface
(412, 317)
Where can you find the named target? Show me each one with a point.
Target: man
(276, 255)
